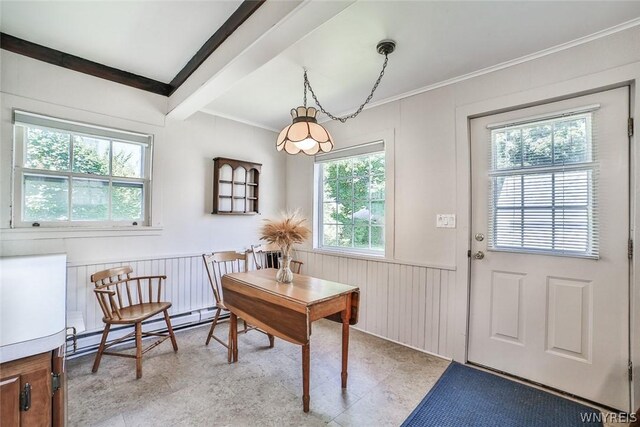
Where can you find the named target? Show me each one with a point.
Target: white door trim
(615, 77)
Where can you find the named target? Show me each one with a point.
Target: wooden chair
(266, 256)
(217, 265)
(123, 305)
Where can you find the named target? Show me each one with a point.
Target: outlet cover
(446, 220)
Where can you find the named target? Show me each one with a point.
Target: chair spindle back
(265, 256)
(220, 263)
(112, 285)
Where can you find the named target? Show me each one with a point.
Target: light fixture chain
(307, 84)
(305, 87)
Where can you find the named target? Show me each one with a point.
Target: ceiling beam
(76, 63)
(244, 11)
(81, 65)
(277, 26)
(205, 77)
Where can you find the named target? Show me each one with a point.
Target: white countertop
(32, 305)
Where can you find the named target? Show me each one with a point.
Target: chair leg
(213, 325)
(245, 326)
(138, 350)
(96, 363)
(170, 329)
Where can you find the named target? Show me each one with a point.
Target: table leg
(346, 315)
(235, 343)
(233, 338)
(305, 377)
(271, 340)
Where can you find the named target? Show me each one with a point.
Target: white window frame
(355, 148)
(23, 120)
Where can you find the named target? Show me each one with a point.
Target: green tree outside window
(353, 202)
(46, 198)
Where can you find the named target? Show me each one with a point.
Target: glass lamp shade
(304, 134)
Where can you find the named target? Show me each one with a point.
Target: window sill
(38, 233)
(349, 254)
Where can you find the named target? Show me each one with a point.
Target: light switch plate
(446, 220)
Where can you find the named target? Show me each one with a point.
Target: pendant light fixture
(305, 134)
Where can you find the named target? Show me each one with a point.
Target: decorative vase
(284, 274)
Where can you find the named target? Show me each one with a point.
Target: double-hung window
(543, 186)
(350, 199)
(73, 174)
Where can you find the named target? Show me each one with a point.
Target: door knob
(478, 255)
(479, 237)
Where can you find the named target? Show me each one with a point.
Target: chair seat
(138, 312)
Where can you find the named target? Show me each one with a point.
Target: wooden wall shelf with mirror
(236, 185)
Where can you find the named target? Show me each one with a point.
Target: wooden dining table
(287, 311)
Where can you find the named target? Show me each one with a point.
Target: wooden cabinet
(31, 392)
(236, 185)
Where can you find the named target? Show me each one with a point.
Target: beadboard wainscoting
(187, 288)
(405, 303)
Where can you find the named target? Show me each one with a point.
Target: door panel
(40, 412)
(569, 318)
(10, 401)
(507, 319)
(559, 320)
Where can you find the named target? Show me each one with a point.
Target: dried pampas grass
(290, 229)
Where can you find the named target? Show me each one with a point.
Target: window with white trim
(73, 174)
(543, 185)
(350, 199)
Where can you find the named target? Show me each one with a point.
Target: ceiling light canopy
(304, 134)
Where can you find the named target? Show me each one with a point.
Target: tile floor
(196, 386)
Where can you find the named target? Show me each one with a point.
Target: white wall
(432, 163)
(431, 167)
(182, 166)
(182, 187)
(425, 133)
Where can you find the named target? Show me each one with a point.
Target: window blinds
(344, 153)
(543, 185)
(33, 119)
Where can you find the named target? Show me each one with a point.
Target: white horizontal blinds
(344, 153)
(33, 119)
(543, 186)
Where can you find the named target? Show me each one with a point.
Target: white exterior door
(550, 213)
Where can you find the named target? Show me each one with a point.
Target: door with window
(550, 228)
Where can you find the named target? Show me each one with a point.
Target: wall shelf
(235, 186)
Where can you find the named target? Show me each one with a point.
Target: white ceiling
(437, 41)
(154, 39)
(259, 78)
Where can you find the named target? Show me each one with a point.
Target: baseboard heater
(89, 342)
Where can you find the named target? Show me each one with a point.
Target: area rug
(465, 396)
